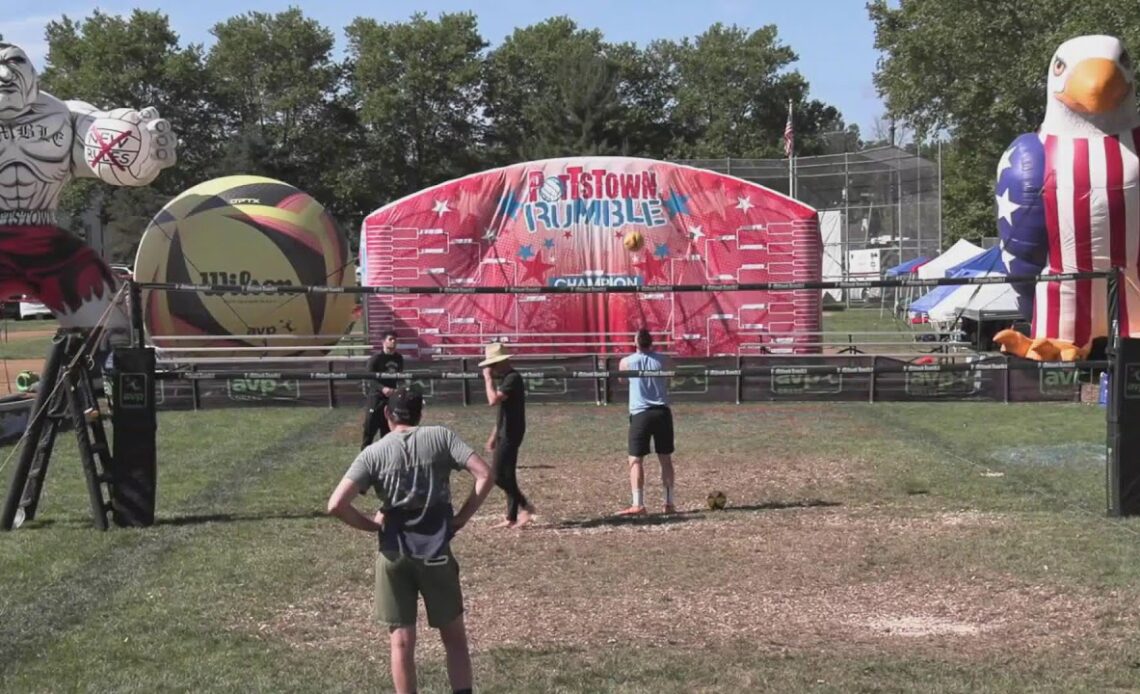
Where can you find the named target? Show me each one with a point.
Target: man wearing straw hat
(507, 435)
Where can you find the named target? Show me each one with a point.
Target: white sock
(668, 496)
(638, 497)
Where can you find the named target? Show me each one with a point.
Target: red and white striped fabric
(1092, 214)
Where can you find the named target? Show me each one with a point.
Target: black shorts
(655, 423)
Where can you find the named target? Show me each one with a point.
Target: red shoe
(670, 508)
(633, 511)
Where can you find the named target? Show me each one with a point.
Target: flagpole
(790, 151)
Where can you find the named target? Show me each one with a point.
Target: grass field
(936, 548)
(28, 339)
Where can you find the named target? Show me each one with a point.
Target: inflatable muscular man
(44, 143)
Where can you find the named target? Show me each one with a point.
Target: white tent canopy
(958, 253)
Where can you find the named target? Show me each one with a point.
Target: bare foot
(525, 517)
(504, 524)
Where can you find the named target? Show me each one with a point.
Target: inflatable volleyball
(250, 231)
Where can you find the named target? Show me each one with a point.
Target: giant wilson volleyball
(254, 232)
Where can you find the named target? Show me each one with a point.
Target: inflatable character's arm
(1021, 213)
(122, 147)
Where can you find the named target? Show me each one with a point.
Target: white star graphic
(695, 232)
(490, 234)
(1005, 162)
(1006, 207)
(440, 207)
(743, 203)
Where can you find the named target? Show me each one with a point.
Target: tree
(733, 87)
(111, 61)
(950, 67)
(530, 79)
(417, 88)
(279, 93)
(580, 116)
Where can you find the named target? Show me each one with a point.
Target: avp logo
(255, 389)
(1132, 381)
(547, 386)
(690, 383)
(943, 384)
(1056, 382)
(806, 384)
(284, 324)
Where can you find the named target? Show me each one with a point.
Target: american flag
(789, 134)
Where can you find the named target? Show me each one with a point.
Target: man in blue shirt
(649, 419)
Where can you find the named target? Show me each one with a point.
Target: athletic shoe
(633, 511)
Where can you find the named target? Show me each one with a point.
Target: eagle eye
(1058, 66)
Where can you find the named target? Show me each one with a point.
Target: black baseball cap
(406, 403)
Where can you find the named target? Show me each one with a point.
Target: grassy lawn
(28, 339)
(29, 348)
(34, 324)
(857, 320)
(948, 547)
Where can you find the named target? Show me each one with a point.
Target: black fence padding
(791, 383)
(134, 461)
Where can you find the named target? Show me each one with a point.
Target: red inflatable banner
(597, 221)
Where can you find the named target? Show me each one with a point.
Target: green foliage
(977, 72)
(417, 86)
(112, 61)
(417, 102)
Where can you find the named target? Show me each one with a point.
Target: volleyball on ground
(633, 241)
(717, 500)
(258, 233)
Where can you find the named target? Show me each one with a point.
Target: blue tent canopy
(984, 263)
(927, 301)
(906, 267)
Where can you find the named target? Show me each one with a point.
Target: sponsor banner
(586, 379)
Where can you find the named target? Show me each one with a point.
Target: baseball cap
(406, 403)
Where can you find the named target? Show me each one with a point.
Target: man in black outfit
(507, 436)
(387, 360)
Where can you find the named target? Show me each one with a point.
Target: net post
(739, 379)
(138, 332)
(465, 383)
(1122, 408)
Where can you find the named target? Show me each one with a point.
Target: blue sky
(833, 38)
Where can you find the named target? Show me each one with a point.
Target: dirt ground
(785, 569)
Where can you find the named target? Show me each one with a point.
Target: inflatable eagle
(1068, 201)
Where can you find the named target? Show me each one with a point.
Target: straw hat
(495, 354)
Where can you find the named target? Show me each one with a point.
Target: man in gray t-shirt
(410, 472)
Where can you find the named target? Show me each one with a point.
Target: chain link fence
(878, 207)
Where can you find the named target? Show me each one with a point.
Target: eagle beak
(1096, 86)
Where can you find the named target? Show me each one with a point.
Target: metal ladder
(67, 396)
